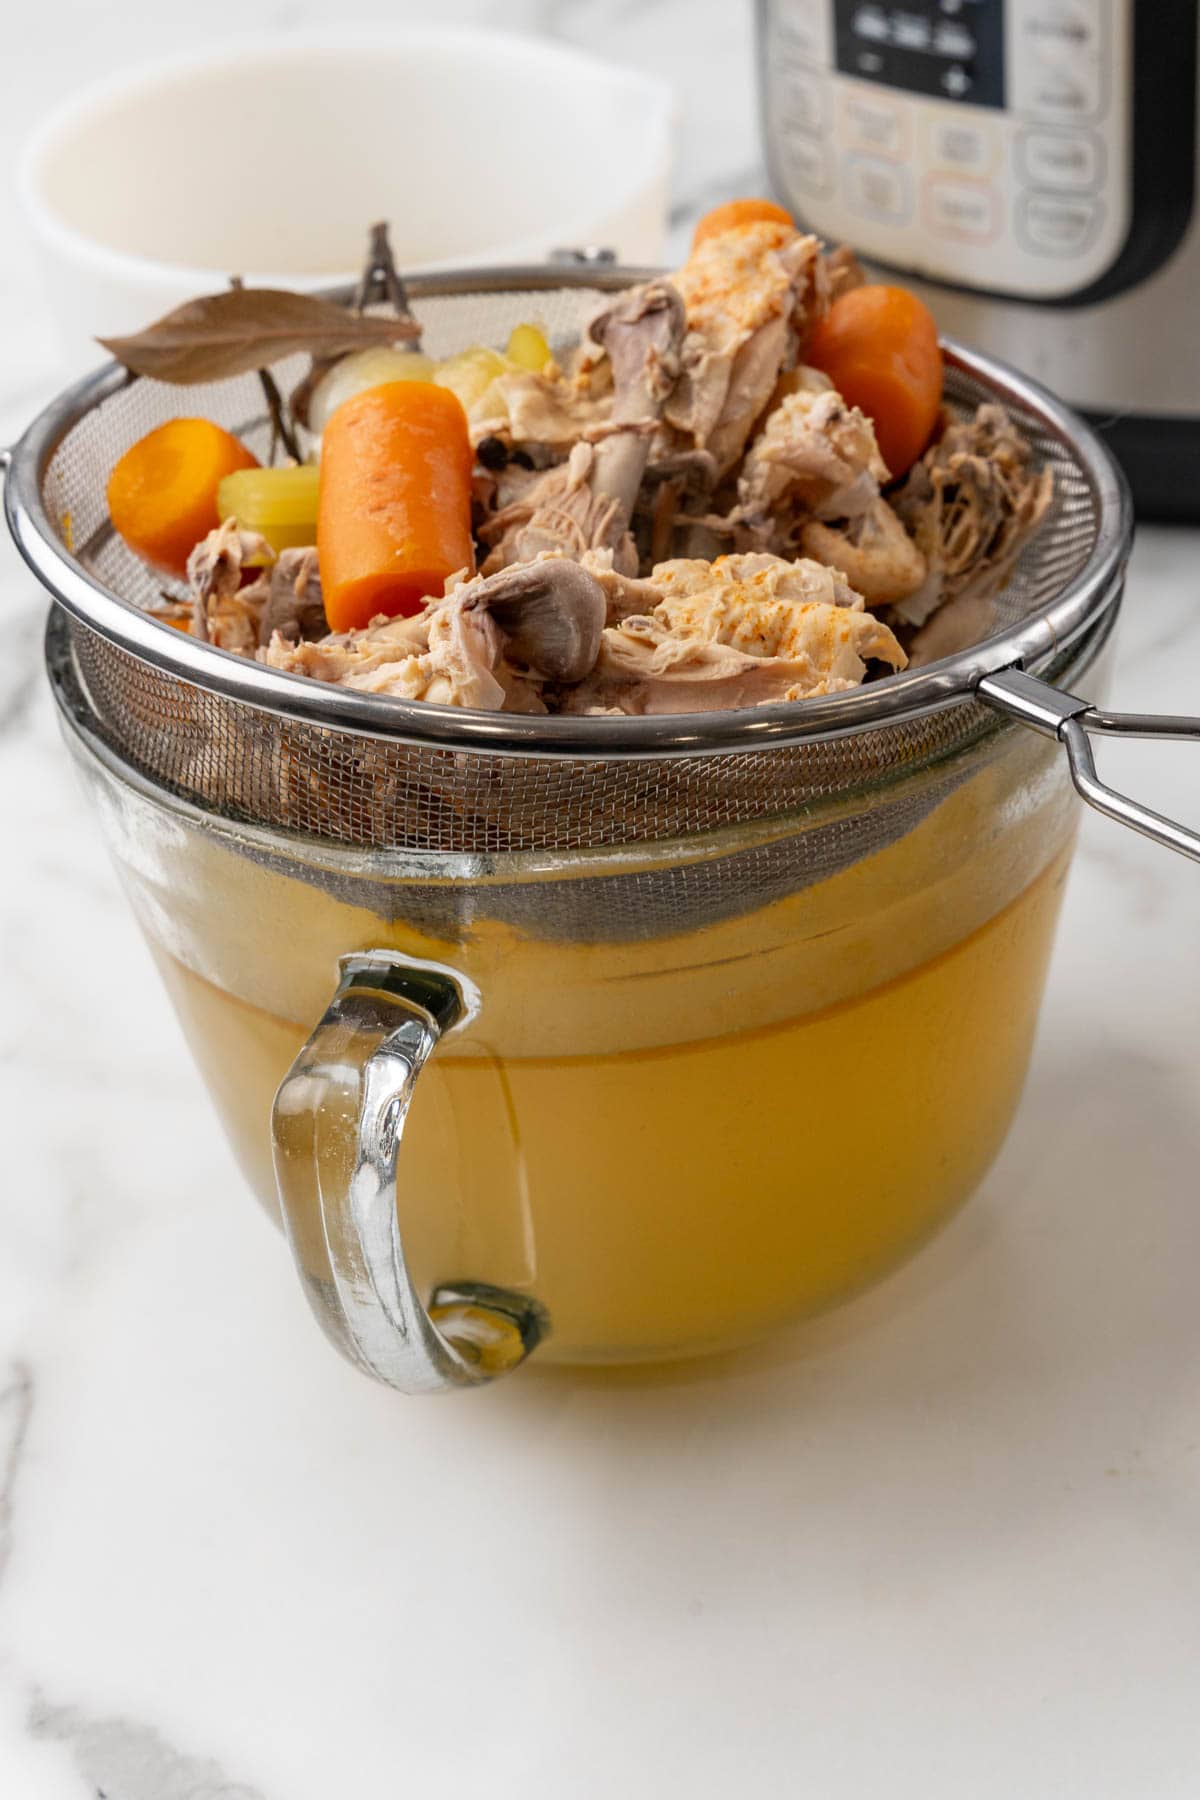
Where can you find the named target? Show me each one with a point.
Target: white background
(942, 1544)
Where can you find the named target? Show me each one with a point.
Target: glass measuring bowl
(666, 1142)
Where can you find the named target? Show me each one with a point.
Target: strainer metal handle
(337, 1124)
(1072, 722)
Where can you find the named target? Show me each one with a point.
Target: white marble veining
(941, 1544)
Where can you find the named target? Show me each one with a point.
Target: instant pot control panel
(987, 143)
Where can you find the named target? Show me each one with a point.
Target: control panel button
(1072, 160)
(959, 146)
(878, 189)
(874, 124)
(1062, 93)
(808, 162)
(1058, 58)
(803, 27)
(910, 31)
(966, 210)
(1058, 224)
(952, 38)
(801, 100)
(1063, 30)
(872, 24)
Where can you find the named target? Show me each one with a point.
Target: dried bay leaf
(242, 329)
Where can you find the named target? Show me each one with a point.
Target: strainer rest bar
(1071, 721)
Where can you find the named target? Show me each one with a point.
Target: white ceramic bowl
(268, 158)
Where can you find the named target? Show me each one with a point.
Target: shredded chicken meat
(750, 298)
(493, 642)
(814, 457)
(740, 631)
(242, 594)
(533, 638)
(970, 505)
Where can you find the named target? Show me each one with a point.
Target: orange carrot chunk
(394, 510)
(162, 494)
(736, 213)
(879, 347)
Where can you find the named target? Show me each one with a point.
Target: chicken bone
(587, 502)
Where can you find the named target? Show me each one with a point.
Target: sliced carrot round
(879, 346)
(162, 494)
(736, 213)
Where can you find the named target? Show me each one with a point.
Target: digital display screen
(953, 49)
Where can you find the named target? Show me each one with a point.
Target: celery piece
(527, 348)
(281, 504)
(471, 373)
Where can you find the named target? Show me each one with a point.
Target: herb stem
(281, 431)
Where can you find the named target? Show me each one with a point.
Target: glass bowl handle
(337, 1125)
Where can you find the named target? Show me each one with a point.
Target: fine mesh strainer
(668, 823)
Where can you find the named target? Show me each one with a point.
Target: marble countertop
(942, 1543)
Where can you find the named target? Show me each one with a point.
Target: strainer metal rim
(1033, 644)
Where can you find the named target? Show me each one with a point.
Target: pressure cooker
(1030, 167)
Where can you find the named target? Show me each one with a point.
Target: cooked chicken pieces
(491, 643)
(294, 607)
(747, 601)
(736, 632)
(223, 611)
(810, 483)
(751, 297)
(843, 271)
(813, 456)
(685, 424)
(740, 631)
(873, 551)
(543, 409)
(284, 596)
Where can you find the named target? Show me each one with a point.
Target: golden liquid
(686, 1195)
